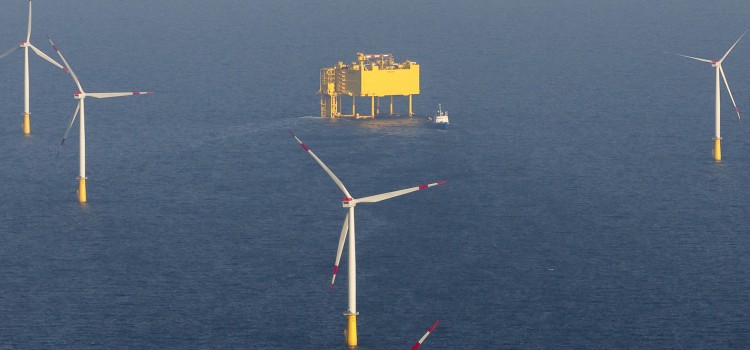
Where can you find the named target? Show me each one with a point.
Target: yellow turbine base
(26, 124)
(717, 150)
(351, 330)
(81, 190)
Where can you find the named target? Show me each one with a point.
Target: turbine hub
(78, 95)
(348, 202)
(24, 43)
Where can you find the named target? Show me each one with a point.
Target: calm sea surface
(582, 210)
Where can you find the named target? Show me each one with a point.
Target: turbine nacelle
(348, 202)
(24, 44)
(79, 95)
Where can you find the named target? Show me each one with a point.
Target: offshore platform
(372, 75)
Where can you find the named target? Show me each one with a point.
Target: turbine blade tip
(304, 146)
(295, 136)
(422, 187)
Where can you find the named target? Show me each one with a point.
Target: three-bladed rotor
(81, 94)
(349, 201)
(717, 64)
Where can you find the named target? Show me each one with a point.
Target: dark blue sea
(583, 209)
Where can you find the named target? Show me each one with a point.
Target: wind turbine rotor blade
(421, 340)
(322, 165)
(342, 239)
(45, 57)
(6, 53)
(67, 129)
(116, 94)
(696, 58)
(67, 66)
(726, 83)
(731, 48)
(389, 195)
(28, 32)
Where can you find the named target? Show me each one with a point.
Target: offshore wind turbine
(350, 202)
(719, 71)
(26, 44)
(81, 95)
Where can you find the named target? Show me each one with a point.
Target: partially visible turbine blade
(726, 83)
(730, 49)
(6, 53)
(696, 58)
(421, 340)
(28, 32)
(67, 66)
(67, 129)
(389, 195)
(342, 239)
(44, 56)
(322, 165)
(116, 94)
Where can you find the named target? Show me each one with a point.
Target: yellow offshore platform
(373, 75)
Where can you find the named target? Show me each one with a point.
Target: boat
(440, 120)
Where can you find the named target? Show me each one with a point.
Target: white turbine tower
(719, 71)
(350, 202)
(26, 44)
(81, 95)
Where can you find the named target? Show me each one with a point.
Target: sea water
(583, 209)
